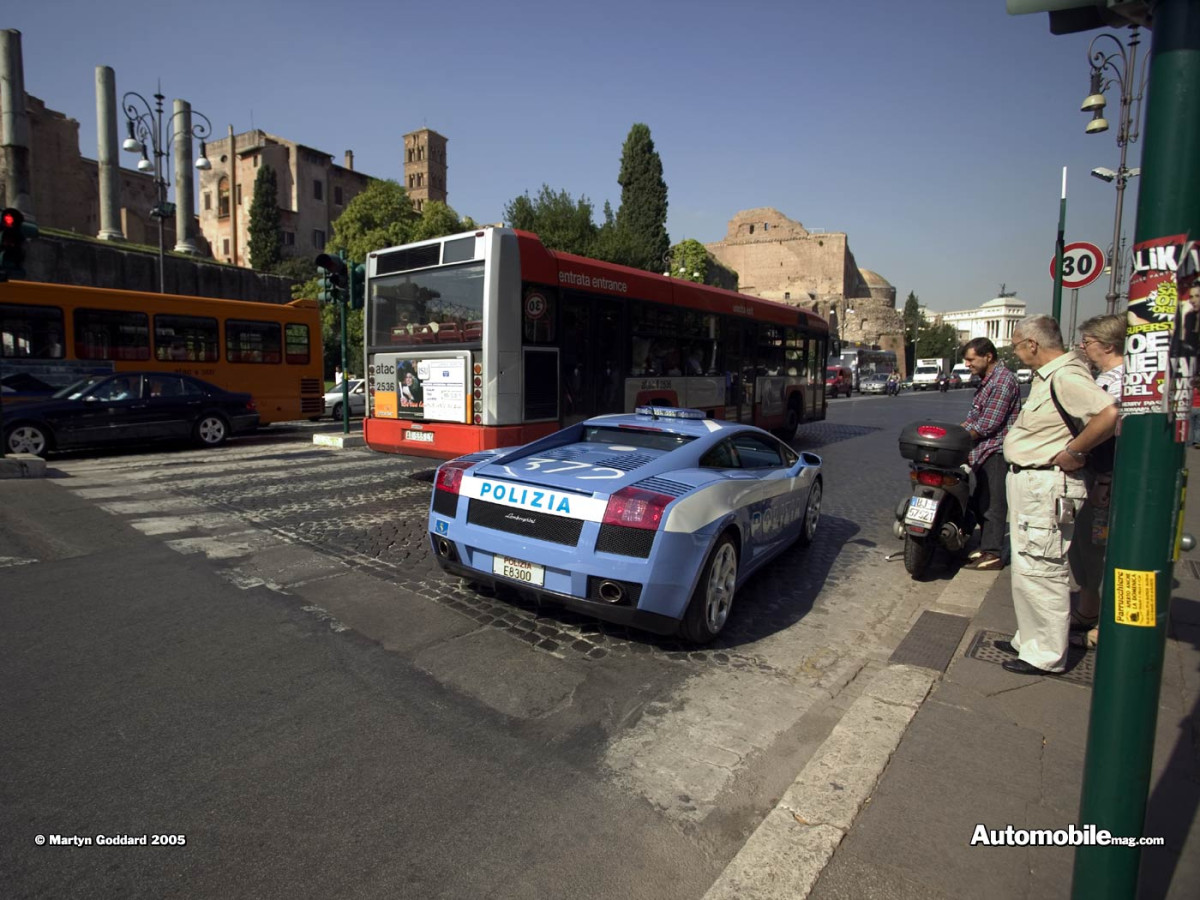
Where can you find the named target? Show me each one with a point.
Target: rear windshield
(635, 437)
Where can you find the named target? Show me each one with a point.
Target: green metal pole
(343, 303)
(1147, 485)
(1056, 307)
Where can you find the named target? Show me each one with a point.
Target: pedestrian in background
(993, 411)
(1045, 489)
(1102, 341)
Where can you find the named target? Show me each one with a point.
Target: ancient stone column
(106, 155)
(14, 126)
(185, 201)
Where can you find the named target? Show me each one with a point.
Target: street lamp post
(146, 126)
(1119, 68)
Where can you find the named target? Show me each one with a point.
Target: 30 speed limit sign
(1082, 264)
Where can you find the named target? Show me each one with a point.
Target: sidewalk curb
(788, 851)
(22, 465)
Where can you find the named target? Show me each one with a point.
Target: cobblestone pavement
(801, 631)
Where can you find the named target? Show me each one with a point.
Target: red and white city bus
(487, 339)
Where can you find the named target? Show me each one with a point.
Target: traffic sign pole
(1056, 305)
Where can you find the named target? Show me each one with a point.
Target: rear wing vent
(412, 258)
(626, 462)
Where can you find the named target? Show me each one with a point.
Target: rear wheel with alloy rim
(812, 514)
(27, 438)
(337, 411)
(709, 609)
(211, 430)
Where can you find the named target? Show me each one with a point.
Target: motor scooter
(937, 510)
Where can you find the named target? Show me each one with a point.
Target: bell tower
(425, 167)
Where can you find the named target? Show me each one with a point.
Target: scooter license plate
(921, 511)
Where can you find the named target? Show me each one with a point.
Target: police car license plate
(921, 511)
(519, 570)
(423, 437)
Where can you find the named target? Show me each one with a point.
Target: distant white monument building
(994, 320)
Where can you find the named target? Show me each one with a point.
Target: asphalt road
(251, 648)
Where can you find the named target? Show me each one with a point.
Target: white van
(963, 371)
(1024, 376)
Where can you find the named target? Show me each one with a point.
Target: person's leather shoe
(1005, 647)
(1020, 667)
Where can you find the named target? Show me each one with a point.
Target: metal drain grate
(1081, 663)
(931, 642)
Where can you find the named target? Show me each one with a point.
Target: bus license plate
(921, 511)
(519, 570)
(422, 437)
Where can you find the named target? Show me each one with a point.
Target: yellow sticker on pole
(1135, 602)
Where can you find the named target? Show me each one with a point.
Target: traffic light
(334, 281)
(358, 285)
(13, 232)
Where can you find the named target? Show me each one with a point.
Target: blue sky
(933, 132)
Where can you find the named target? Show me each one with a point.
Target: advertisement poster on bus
(437, 387)
(1153, 301)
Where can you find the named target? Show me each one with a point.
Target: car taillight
(251, 406)
(636, 508)
(449, 476)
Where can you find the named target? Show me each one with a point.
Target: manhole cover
(1081, 663)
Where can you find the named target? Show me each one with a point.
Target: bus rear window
(252, 342)
(633, 437)
(109, 334)
(296, 346)
(186, 339)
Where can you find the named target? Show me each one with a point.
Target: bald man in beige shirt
(1045, 488)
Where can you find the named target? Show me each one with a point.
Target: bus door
(739, 340)
(577, 384)
(590, 357)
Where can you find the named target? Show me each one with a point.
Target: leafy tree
(266, 232)
(689, 261)
(437, 220)
(913, 318)
(381, 216)
(560, 221)
(641, 221)
(938, 340)
(331, 339)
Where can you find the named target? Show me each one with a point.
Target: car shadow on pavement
(774, 598)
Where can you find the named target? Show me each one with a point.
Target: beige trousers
(1040, 573)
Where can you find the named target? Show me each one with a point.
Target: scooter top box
(936, 443)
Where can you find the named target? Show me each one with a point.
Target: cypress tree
(266, 232)
(642, 217)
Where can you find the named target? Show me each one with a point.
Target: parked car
(838, 380)
(652, 519)
(874, 384)
(1024, 376)
(129, 407)
(358, 399)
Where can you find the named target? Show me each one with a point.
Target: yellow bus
(57, 333)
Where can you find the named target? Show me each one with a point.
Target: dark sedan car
(129, 406)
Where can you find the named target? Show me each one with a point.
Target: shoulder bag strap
(1072, 425)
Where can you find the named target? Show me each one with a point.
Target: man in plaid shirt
(995, 408)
